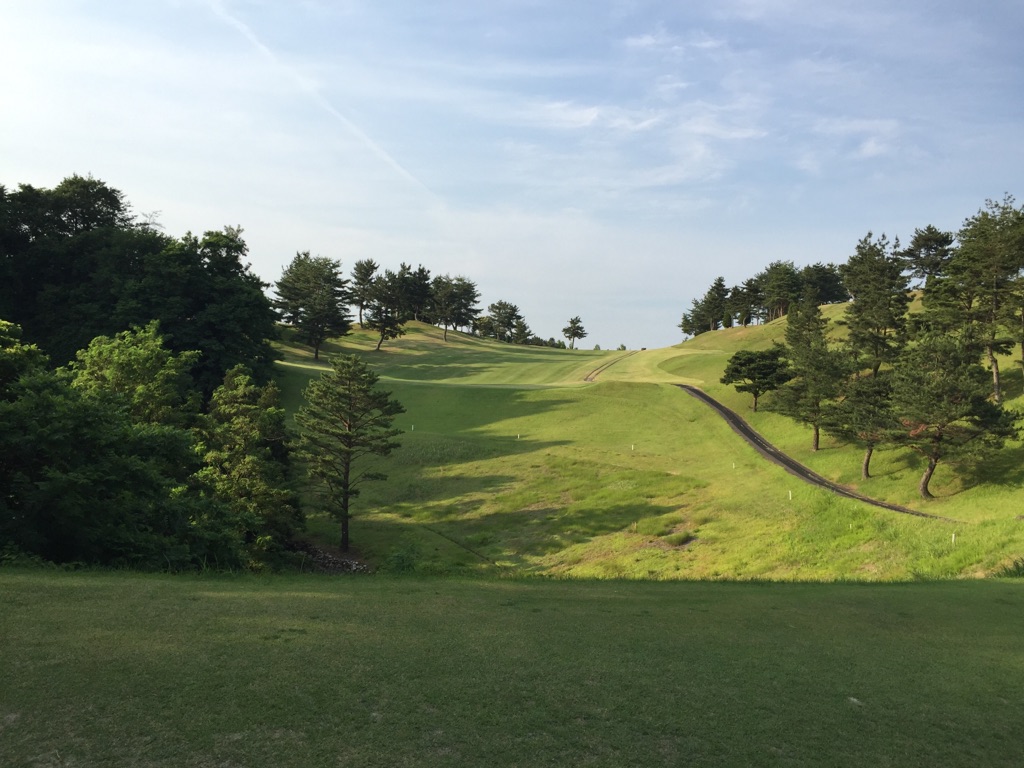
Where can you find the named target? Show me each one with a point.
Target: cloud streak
(308, 88)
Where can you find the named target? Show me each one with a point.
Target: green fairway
(513, 462)
(122, 669)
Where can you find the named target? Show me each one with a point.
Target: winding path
(773, 454)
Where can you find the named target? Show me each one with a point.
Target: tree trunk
(346, 488)
(755, 402)
(360, 315)
(380, 341)
(815, 440)
(316, 351)
(446, 331)
(994, 364)
(927, 478)
(865, 467)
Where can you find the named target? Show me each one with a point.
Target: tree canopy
(312, 297)
(574, 330)
(757, 371)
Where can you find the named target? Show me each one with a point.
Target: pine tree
(817, 368)
(346, 419)
(877, 318)
(313, 297)
(940, 394)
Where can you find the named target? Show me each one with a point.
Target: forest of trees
(929, 381)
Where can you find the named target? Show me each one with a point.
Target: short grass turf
(628, 477)
(127, 669)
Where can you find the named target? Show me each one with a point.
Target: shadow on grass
(1011, 381)
(1004, 467)
(539, 531)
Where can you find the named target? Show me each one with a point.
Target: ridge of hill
(512, 462)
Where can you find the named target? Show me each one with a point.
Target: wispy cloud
(308, 87)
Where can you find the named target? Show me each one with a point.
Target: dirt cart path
(773, 454)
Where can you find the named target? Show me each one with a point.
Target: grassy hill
(516, 465)
(513, 463)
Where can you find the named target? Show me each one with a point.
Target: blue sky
(606, 159)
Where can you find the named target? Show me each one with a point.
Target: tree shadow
(543, 529)
(1011, 381)
(1004, 467)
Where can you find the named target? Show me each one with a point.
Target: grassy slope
(148, 671)
(512, 462)
(143, 670)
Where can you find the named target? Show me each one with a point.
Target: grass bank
(511, 462)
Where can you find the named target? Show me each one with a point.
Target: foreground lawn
(121, 669)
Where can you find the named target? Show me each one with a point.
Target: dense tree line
(765, 297)
(314, 297)
(76, 263)
(139, 425)
(929, 381)
(112, 460)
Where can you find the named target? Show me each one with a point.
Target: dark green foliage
(484, 326)
(574, 330)
(757, 372)
(80, 482)
(978, 292)
(386, 310)
(453, 302)
(76, 264)
(928, 254)
(824, 283)
(863, 414)
(780, 286)
(941, 397)
(710, 312)
(877, 318)
(363, 273)
(101, 464)
(503, 317)
(745, 303)
(345, 420)
(521, 333)
(313, 298)
(418, 293)
(817, 368)
(17, 359)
